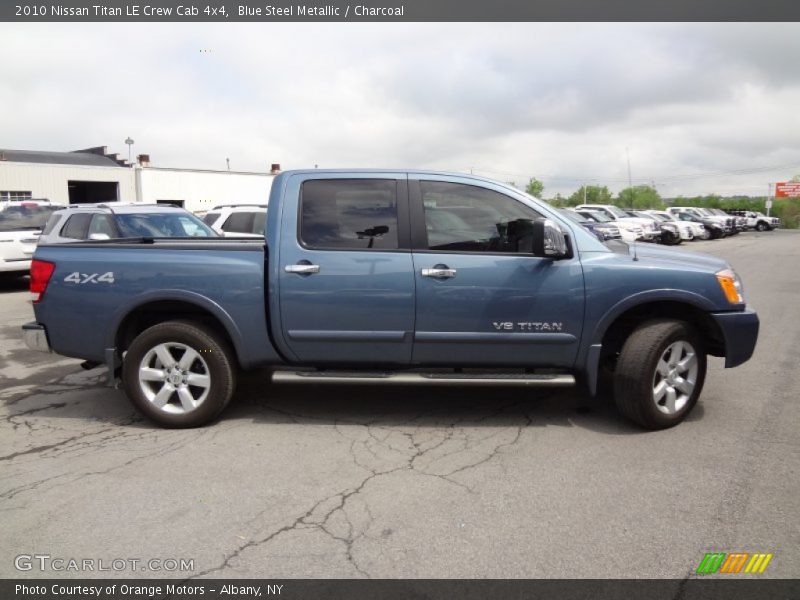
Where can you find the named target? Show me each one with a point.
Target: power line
(661, 178)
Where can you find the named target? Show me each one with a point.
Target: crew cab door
(346, 277)
(479, 301)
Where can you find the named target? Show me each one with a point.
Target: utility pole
(630, 179)
(768, 203)
(129, 141)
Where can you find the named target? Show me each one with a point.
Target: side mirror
(99, 237)
(548, 240)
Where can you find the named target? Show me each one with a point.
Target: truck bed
(223, 276)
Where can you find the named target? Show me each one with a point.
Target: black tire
(761, 226)
(670, 239)
(636, 372)
(215, 360)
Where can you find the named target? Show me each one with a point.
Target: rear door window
(239, 222)
(76, 226)
(349, 214)
(102, 224)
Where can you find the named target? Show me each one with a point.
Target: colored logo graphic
(735, 562)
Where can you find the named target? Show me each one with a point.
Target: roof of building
(91, 157)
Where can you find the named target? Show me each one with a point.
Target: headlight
(731, 286)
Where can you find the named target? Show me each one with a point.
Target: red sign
(789, 189)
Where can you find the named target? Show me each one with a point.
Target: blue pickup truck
(400, 277)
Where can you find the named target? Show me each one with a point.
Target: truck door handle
(439, 272)
(303, 268)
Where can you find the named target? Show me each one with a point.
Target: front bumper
(740, 331)
(36, 337)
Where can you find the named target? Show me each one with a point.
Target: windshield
(617, 212)
(19, 218)
(578, 218)
(599, 216)
(659, 217)
(162, 225)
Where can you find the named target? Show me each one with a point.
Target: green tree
(535, 188)
(590, 194)
(640, 196)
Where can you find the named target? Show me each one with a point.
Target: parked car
(765, 223)
(713, 227)
(364, 283)
(729, 221)
(603, 231)
(112, 220)
(723, 227)
(21, 222)
(237, 220)
(688, 230)
(757, 220)
(739, 221)
(669, 231)
(650, 231)
(629, 231)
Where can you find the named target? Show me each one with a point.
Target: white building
(94, 175)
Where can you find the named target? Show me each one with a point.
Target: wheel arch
(151, 309)
(623, 323)
(618, 322)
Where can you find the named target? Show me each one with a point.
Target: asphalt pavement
(320, 481)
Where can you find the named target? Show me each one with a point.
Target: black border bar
(153, 11)
(729, 588)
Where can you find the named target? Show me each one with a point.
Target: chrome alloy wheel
(675, 377)
(174, 378)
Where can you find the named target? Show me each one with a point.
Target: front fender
(646, 297)
(590, 354)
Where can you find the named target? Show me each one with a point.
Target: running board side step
(376, 378)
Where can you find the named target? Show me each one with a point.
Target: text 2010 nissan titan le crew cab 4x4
(393, 277)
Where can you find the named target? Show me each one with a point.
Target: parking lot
(323, 481)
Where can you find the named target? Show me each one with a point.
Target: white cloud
(558, 101)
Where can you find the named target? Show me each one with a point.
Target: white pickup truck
(650, 230)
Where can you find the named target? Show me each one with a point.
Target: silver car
(115, 220)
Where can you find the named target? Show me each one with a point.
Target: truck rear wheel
(660, 373)
(179, 374)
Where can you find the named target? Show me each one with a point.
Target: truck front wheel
(660, 373)
(179, 374)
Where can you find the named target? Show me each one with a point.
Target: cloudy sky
(700, 108)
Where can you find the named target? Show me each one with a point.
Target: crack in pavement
(337, 504)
